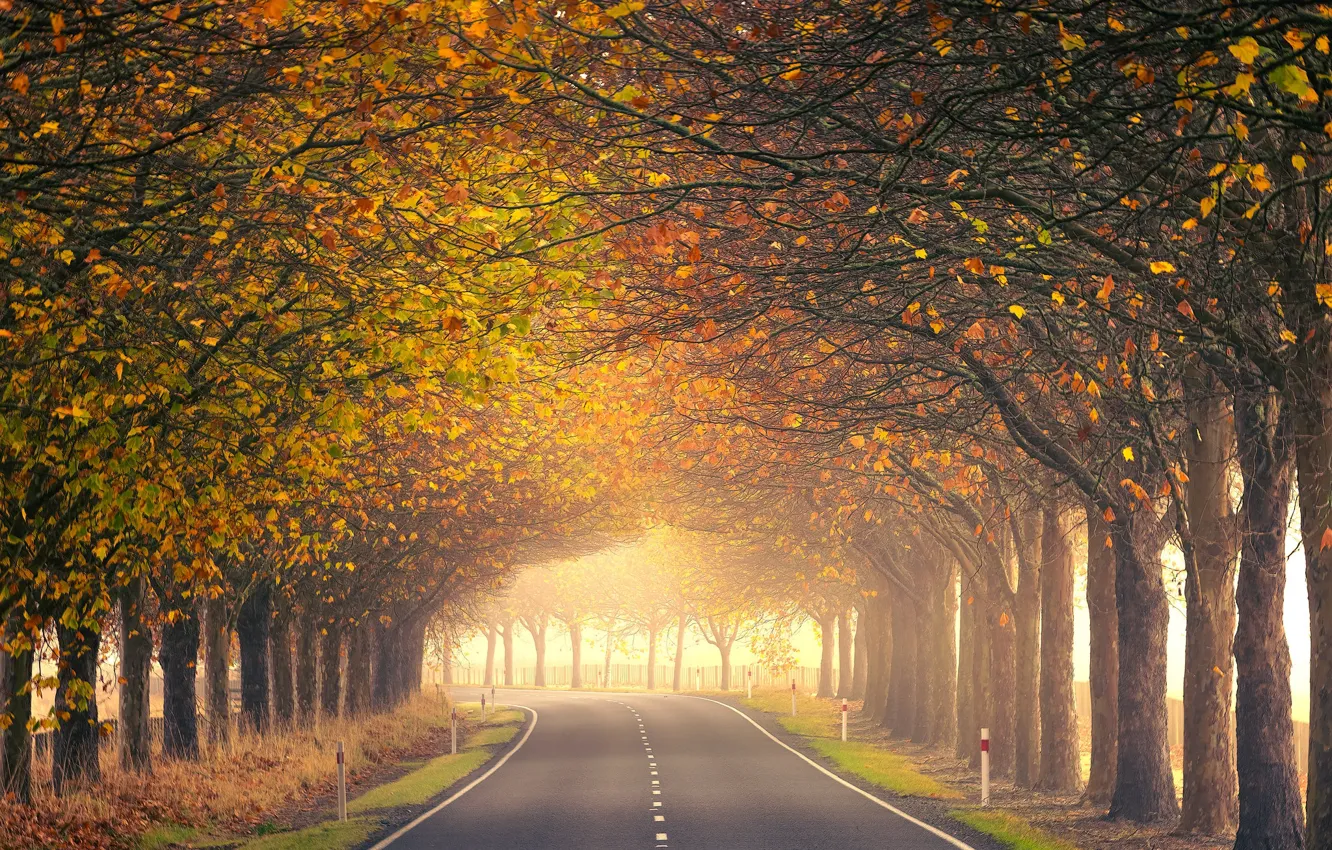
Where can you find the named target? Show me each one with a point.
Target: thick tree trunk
(1103, 670)
(1061, 764)
(217, 684)
(606, 661)
(74, 762)
(330, 664)
(880, 656)
(492, 638)
(982, 700)
(901, 714)
(964, 736)
(944, 725)
(539, 644)
(1314, 461)
(136, 662)
(925, 677)
(387, 668)
(416, 636)
(1027, 633)
(360, 649)
(576, 642)
(652, 659)
(179, 658)
(307, 670)
(279, 651)
(253, 622)
(507, 635)
(679, 652)
(860, 661)
(844, 655)
(15, 674)
(1271, 813)
(828, 646)
(724, 649)
(1144, 785)
(1003, 693)
(1211, 802)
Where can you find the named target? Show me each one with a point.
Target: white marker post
(985, 767)
(483, 706)
(453, 732)
(793, 713)
(749, 684)
(843, 721)
(342, 784)
(698, 680)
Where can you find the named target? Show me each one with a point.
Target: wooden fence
(636, 676)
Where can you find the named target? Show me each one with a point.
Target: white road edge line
(956, 842)
(419, 819)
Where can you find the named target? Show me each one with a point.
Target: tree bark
(179, 658)
(136, 661)
(901, 714)
(307, 669)
(827, 643)
(925, 677)
(1061, 764)
(982, 700)
(492, 637)
(15, 674)
(1211, 802)
(279, 651)
(253, 622)
(387, 668)
(1027, 633)
(944, 726)
(1003, 693)
(330, 663)
(217, 654)
(507, 635)
(360, 649)
(652, 659)
(679, 652)
(844, 662)
(1144, 785)
(1103, 669)
(860, 661)
(75, 759)
(539, 644)
(880, 656)
(724, 649)
(964, 734)
(1271, 814)
(576, 642)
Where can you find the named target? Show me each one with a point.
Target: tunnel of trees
(320, 323)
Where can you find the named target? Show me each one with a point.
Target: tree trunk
(679, 652)
(982, 700)
(1144, 785)
(1211, 803)
(179, 658)
(901, 714)
(539, 644)
(217, 684)
(724, 648)
(1003, 693)
(74, 762)
(330, 663)
(1027, 633)
(387, 668)
(279, 651)
(925, 677)
(1271, 815)
(507, 635)
(360, 648)
(606, 671)
(1103, 670)
(844, 663)
(136, 661)
(827, 643)
(860, 661)
(965, 739)
(652, 659)
(307, 669)
(576, 641)
(253, 622)
(1061, 764)
(945, 661)
(880, 656)
(15, 674)
(492, 637)
(1314, 461)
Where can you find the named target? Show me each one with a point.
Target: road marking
(661, 836)
(656, 802)
(656, 790)
(956, 842)
(659, 818)
(419, 819)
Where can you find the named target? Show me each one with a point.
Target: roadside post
(698, 680)
(342, 783)
(843, 720)
(793, 692)
(985, 767)
(749, 684)
(483, 706)
(453, 732)
(492, 694)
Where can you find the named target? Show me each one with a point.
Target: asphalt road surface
(624, 772)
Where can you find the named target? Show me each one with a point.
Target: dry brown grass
(258, 779)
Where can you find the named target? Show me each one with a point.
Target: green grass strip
(490, 736)
(1010, 830)
(330, 835)
(420, 785)
(165, 835)
(884, 769)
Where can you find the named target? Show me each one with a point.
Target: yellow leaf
(1245, 51)
(1324, 293)
(1017, 310)
(857, 441)
(1127, 452)
(1162, 267)
(619, 10)
(1057, 297)
(1205, 206)
(1288, 335)
(1298, 162)
(1070, 40)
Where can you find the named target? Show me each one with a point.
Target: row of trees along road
(337, 314)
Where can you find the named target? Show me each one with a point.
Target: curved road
(621, 772)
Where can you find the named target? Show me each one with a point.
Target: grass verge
(419, 785)
(885, 769)
(1010, 830)
(330, 835)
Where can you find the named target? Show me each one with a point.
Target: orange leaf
(1327, 540)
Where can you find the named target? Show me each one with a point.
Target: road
(621, 772)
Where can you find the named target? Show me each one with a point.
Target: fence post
(483, 706)
(453, 732)
(749, 684)
(793, 693)
(843, 720)
(342, 783)
(985, 767)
